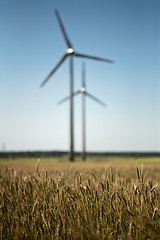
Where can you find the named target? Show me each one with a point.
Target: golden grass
(97, 199)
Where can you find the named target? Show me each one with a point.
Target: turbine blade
(95, 99)
(63, 29)
(83, 76)
(92, 57)
(63, 100)
(76, 93)
(68, 98)
(53, 71)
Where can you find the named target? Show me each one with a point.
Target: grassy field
(92, 162)
(102, 198)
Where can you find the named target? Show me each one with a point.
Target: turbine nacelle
(70, 51)
(82, 90)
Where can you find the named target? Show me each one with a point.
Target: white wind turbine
(70, 53)
(85, 94)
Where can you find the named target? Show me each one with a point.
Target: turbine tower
(70, 53)
(84, 93)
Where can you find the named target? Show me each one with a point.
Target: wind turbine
(70, 53)
(84, 93)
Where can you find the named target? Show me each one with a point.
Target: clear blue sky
(31, 44)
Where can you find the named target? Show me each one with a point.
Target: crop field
(102, 198)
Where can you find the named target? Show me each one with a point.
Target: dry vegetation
(93, 203)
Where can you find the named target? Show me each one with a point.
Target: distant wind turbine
(70, 53)
(84, 93)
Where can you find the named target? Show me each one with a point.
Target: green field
(102, 198)
(93, 162)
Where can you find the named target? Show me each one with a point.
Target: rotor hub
(70, 50)
(82, 89)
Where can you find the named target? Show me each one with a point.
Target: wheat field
(102, 201)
